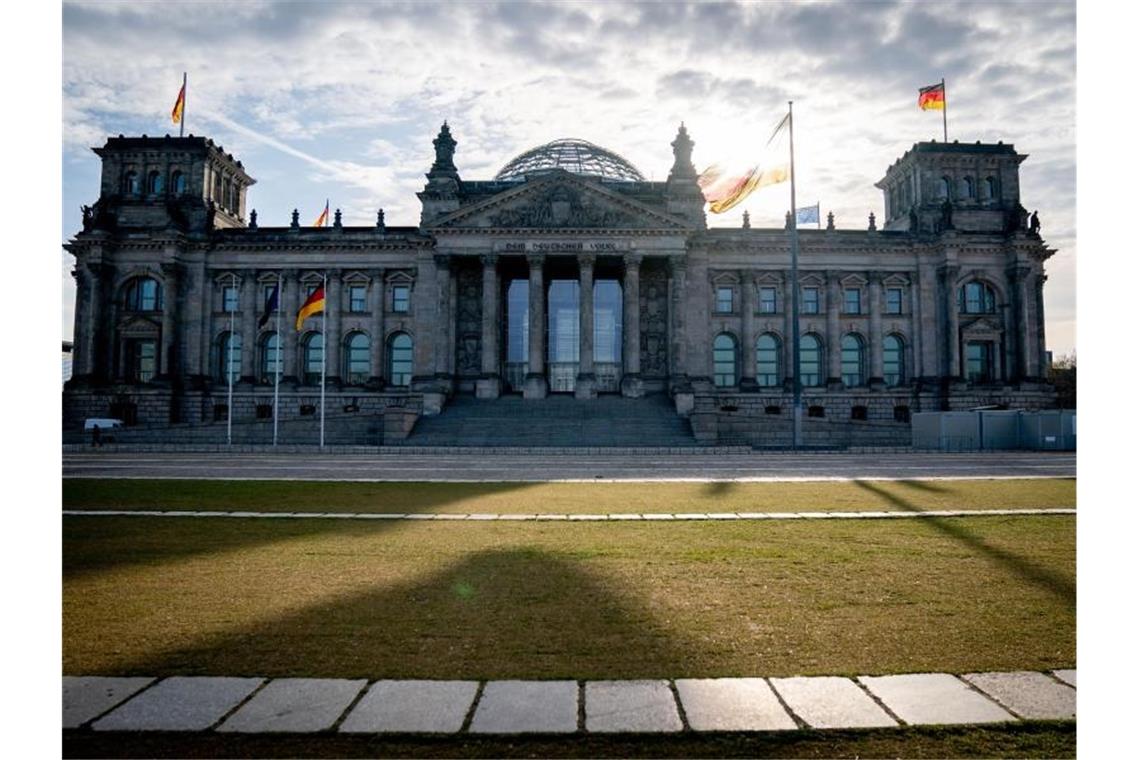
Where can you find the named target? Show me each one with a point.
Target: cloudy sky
(342, 100)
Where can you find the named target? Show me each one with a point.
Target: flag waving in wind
(270, 307)
(323, 219)
(724, 185)
(807, 214)
(179, 105)
(932, 98)
(314, 304)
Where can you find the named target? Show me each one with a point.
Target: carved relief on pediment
(563, 206)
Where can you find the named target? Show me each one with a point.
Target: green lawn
(524, 498)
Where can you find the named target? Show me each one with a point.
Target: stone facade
(557, 281)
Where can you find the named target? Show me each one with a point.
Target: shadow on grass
(497, 614)
(924, 485)
(719, 488)
(1049, 580)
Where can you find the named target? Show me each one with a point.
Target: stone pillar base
(632, 387)
(488, 387)
(876, 384)
(433, 402)
(585, 387)
(748, 385)
(834, 384)
(534, 386)
(683, 402)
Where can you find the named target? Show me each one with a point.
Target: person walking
(96, 437)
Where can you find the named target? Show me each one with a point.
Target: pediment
(137, 326)
(559, 201)
(768, 278)
(896, 279)
(853, 280)
(982, 325)
(725, 278)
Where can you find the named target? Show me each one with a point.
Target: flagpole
(817, 216)
(277, 377)
(324, 351)
(945, 136)
(230, 370)
(182, 121)
(797, 402)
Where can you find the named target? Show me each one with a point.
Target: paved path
(307, 705)
(614, 517)
(540, 467)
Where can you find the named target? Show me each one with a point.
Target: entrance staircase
(556, 421)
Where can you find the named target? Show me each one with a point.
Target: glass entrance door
(607, 336)
(518, 335)
(562, 335)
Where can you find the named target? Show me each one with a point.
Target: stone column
(791, 341)
(585, 383)
(677, 271)
(747, 330)
(290, 304)
(80, 357)
(195, 286)
(248, 324)
(535, 385)
(489, 383)
(377, 345)
(951, 343)
(631, 327)
(834, 356)
(875, 288)
(333, 312)
(168, 363)
(1039, 320)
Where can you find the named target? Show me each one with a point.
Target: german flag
(932, 98)
(314, 304)
(179, 105)
(323, 219)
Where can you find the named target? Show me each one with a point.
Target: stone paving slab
(1027, 694)
(732, 704)
(631, 706)
(933, 698)
(831, 702)
(412, 707)
(179, 703)
(298, 705)
(520, 707)
(1068, 676)
(87, 697)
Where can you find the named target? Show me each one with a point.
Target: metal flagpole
(945, 137)
(817, 217)
(277, 377)
(182, 121)
(324, 350)
(797, 401)
(230, 369)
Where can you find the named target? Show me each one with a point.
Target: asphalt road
(756, 466)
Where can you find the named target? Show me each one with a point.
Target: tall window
(724, 300)
(229, 357)
(400, 359)
(979, 361)
(966, 187)
(944, 188)
(229, 298)
(810, 301)
(270, 362)
(178, 182)
(131, 183)
(358, 298)
(767, 300)
(140, 359)
(811, 358)
(357, 350)
(607, 321)
(894, 371)
(851, 358)
(724, 360)
(990, 189)
(400, 298)
(314, 355)
(894, 301)
(154, 184)
(976, 298)
(767, 360)
(143, 294)
(851, 301)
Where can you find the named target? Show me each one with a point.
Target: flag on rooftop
(323, 219)
(808, 214)
(179, 105)
(314, 304)
(724, 185)
(932, 98)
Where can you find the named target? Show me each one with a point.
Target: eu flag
(807, 214)
(270, 307)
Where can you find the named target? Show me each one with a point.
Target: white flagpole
(230, 370)
(817, 216)
(277, 376)
(324, 351)
(797, 400)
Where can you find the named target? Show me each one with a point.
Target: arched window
(976, 297)
(178, 182)
(270, 358)
(143, 294)
(218, 190)
(851, 360)
(810, 361)
(724, 360)
(966, 188)
(314, 356)
(990, 189)
(767, 360)
(357, 360)
(894, 366)
(154, 184)
(944, 188)
(131, 183)
(400, 359)
(229, 357)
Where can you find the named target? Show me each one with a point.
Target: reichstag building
(567, 279)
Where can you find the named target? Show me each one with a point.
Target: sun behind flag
(932, 98)
(323, 219)
(726, 185)
(314, 304)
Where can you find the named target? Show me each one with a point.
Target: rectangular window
(851, 301)
(229, 298)
(140, 360)
(724, 300)
(979, 362)
(894, 301)
(400, 298)
(810, 301)
(768, 300)
(358, 298)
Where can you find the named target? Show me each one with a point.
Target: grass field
(525, 498)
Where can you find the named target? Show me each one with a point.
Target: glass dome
(576, 157)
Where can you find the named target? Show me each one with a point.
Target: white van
(103, 423)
